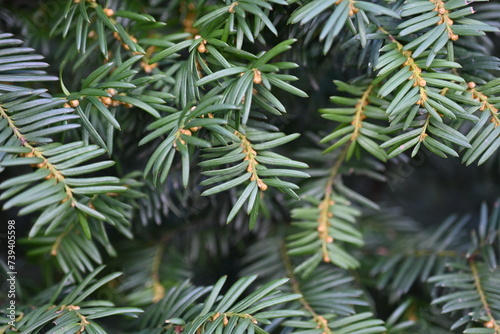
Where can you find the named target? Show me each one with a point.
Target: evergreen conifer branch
(492, 322)
(206, 110)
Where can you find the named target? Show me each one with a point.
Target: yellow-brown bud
(257, 76)
(74, 103)
(111, 91)
(106, 100)
(262, 186)
(202, 48)
(109, 12)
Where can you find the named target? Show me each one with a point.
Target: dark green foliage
(158, 146)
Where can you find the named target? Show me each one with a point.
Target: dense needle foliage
(250, 166)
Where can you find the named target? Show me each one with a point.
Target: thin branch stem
(35, 152)
(326, 203)
(320, 320)
(477, 283)
(158, 289)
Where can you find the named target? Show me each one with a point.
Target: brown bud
(262, 186)
(471, 85)
(442, 11)
(257, 77)
(422, 82)
(329, 239)
(186, 132)
(91, 34)
(74, 103)
(109, 12)
(490, 324)
(111, 91)
(454, 37)
(202, 48)
(106, 101)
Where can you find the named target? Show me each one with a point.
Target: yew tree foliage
(151, 159)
